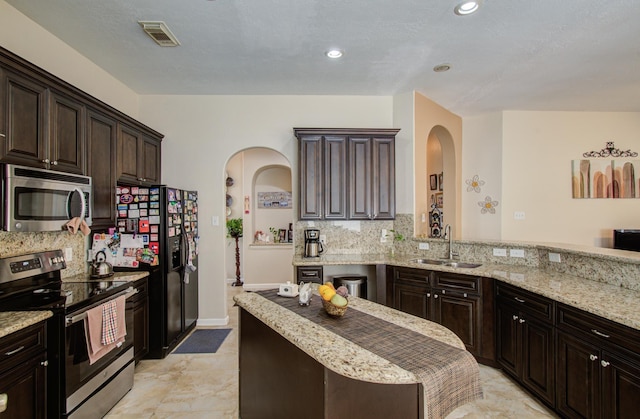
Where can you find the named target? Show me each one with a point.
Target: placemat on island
(450, 376)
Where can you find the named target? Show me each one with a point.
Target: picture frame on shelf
(440, 181)
(433, 182)
(282, 234)
(439, 200)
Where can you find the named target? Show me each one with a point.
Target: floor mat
(203, 341)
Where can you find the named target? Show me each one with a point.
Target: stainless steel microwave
(43, 200)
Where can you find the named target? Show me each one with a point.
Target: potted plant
(397, 237)
(234, 230)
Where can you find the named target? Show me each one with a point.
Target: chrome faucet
(447, 234)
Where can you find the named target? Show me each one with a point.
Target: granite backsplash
(15, 244)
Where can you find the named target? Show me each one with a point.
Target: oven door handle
(75, 318)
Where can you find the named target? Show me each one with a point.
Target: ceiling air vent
(159, 32)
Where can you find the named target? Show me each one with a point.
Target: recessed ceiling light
(441, 68)
(466, 8)
(334, 53)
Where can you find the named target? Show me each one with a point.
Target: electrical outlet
(516, 253)
(423, 246)
(554, 257)
(500, 252)
(68, 254)
(215, 220)
(518, 215)
(383, 235)
(323, 239)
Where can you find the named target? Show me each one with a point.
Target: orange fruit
(328, 294)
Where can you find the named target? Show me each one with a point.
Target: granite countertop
(12, 321)
(117, 276)
(605, 300)
(339, 354)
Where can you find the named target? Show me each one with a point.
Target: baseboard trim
(213, 322)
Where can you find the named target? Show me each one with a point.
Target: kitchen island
(373, 362)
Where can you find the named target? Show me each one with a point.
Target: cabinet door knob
(428, 294)
(4, 401)
(522, 321)
(515, 317)
(593, 357)
(435, 295)
(465, 295)
(45, 363)
(55, 162)
(604, 363)
(45, 161)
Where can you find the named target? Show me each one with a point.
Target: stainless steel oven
(92, 389)
(43, 200)
(75, 388)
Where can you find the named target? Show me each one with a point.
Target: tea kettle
(101, 268)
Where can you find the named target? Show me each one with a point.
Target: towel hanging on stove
(93, 330)
(109, 322)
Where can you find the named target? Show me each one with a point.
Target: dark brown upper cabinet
(101, 166)
(39, 127)
(346, 174)
(138, 157)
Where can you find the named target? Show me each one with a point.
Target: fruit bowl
(334, 310)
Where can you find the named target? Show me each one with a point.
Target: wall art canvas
(618, 178)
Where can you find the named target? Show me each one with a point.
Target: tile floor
(206, 386)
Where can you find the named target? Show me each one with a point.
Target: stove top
(32, 282)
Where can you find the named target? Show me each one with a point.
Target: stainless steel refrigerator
(168, 220)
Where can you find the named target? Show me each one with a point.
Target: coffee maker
(312, 245)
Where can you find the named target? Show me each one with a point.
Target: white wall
(203, 132)
(25, 38)
(538, 148)
(482, 156)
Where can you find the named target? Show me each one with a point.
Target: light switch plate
(68, 254)
(423, 246)
(554, 257)
(500, 252)
(518, 215)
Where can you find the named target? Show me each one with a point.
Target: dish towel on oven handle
(93, 330)
(109, 322)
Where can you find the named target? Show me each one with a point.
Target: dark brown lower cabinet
(140, 304)
(23, 363)
(525, 350)
(309, 274)
(462, 314)
(598, 367)
(412, 299)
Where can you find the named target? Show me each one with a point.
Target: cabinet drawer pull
(465, 295)
(520, 300)
(15, 351)
(444, 291)
(2, 136)
(600, 333)
(515, 317)
(593, 357)
(308, 274)
(4, 401)
(604, 363)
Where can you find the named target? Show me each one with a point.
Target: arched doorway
(260, 195)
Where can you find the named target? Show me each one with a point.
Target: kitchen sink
(462, 264)
(429, 261)
(450, 263)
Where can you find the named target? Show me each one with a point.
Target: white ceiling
(574, 55)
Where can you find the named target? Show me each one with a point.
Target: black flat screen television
(626, 239)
